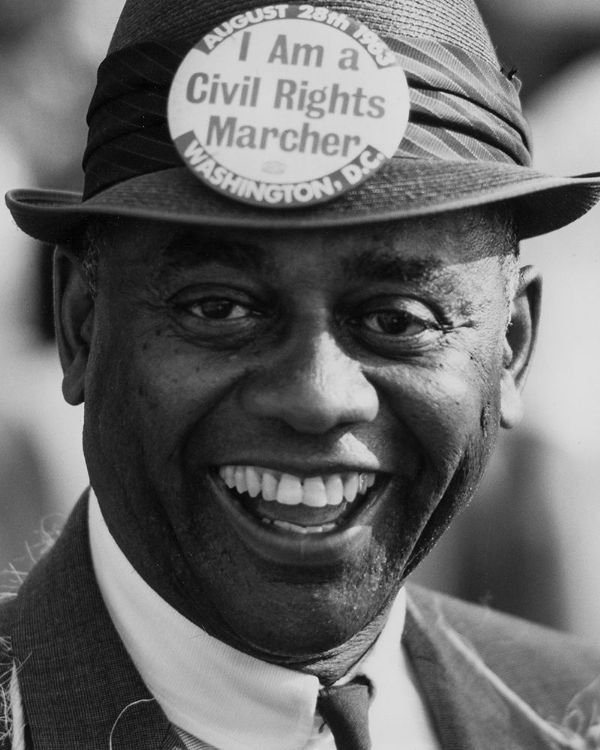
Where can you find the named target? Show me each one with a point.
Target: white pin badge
(288, 105)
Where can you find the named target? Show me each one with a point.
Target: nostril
(309, 402)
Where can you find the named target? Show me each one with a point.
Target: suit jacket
(491, 682)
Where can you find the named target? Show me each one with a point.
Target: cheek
(150, 394)
(150, 373)
(446, 405)
(133, 398)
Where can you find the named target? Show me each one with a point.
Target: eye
(394, 323)
(221, 316)
(219, 309)
(219, 319)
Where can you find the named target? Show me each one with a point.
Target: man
(290, 302)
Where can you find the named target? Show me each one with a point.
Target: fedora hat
(466, 143)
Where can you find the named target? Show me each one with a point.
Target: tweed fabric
(61, 638)
(499, 647)
(7, 609)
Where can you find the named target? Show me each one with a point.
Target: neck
(332, 665)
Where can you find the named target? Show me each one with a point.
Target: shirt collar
(205, 687)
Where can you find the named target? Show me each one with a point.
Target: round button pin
(288, 105)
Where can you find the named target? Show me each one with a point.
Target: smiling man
(297, 406)
(294, 371)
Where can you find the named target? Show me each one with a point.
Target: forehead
(413, 248)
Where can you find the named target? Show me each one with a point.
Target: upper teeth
(316, 492)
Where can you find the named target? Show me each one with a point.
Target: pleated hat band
(462, 108)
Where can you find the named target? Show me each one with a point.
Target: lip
(301, 550)
(306, 470)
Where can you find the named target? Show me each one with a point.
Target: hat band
(461, 109)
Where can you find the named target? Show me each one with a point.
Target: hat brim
(402, 189)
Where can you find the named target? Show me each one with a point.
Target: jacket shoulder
(542, 664)
(7, 613)
(494, 632)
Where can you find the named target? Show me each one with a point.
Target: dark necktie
(345, 710)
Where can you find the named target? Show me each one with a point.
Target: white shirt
(231, 701)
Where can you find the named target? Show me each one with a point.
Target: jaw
(284, 597)
(292, 597)
(275, 594)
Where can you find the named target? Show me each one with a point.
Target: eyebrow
(386, 265)
(186, 250)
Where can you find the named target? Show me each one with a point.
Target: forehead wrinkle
(383, 264)
(187, 250)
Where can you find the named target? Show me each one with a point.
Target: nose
(313, 386)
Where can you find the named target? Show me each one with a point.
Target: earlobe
(519, 344)
(74, 319)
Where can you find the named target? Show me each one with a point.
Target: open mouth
(313, 520)
(312, 505)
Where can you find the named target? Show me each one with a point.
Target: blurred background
(530, 542)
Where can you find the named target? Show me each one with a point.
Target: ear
(74, 320)
(521, 335)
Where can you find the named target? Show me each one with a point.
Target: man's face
(276, 423)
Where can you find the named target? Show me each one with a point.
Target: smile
(283, 499)
(275, 508)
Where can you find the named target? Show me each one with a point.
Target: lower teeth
(286, 526)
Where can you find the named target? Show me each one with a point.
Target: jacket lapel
(471, 707)
(79, 687)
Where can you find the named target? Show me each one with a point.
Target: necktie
(345, 710)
